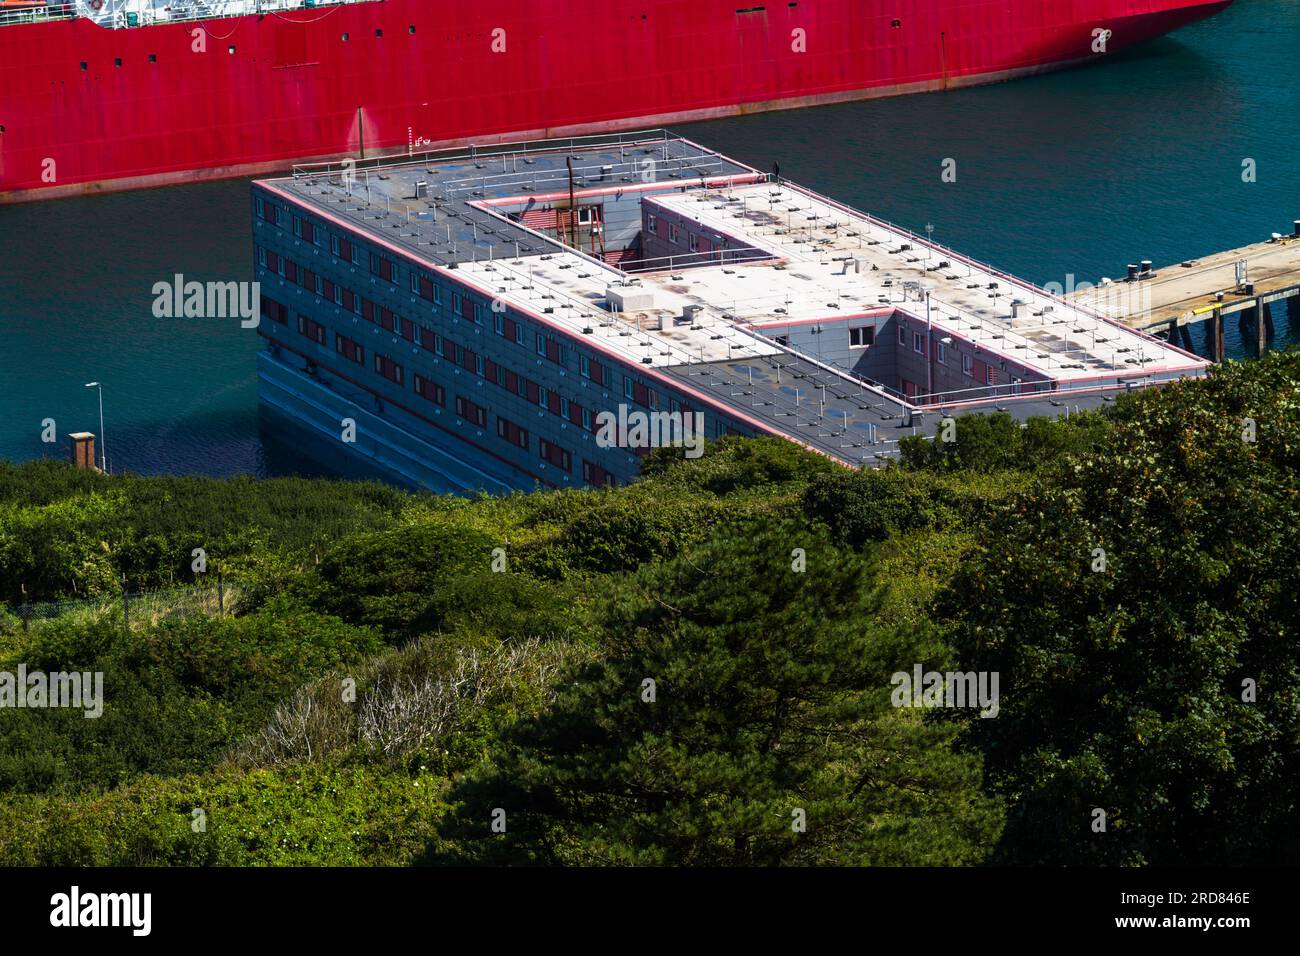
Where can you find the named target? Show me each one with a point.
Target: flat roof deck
(569, 291)
(832, 261)
(449, 221)
(824, 262)
(838, 416)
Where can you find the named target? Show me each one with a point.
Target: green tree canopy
(770, 705)
(1130, 602)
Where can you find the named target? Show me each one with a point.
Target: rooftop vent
(629, 298)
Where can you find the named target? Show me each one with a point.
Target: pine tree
(741, 715)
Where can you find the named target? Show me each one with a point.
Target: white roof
(831, 262)
(574, 288)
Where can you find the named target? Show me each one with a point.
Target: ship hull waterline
(86, 133)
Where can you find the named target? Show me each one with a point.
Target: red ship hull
(273, 89)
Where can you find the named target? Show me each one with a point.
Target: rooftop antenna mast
(573, 209)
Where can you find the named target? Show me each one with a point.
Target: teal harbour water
(1073, 173)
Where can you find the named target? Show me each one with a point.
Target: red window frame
(389, 369)
(275, 311)
(512, 433)
(471, 412)
(593, 474)
(349, 349)
(311, 329)
(556, 455)
(430, 391)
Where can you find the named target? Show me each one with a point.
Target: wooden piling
(1261, 333)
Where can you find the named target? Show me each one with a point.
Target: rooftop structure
(705, 282)
(828, 258)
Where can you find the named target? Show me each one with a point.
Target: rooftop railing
(976, 264)
(1064, 355)
(952, 314)
(53, 11)
(473, 152)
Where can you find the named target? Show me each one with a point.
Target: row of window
(941, 356)
(694, 243)
(466, 409)
(466, 358)
(516, 435)
(459, 355)
(546, 346)
(346, 250)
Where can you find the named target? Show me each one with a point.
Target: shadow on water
(289, 449)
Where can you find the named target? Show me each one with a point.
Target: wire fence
(217, 597)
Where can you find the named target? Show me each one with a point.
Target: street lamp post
(929, 348)
(103, 441)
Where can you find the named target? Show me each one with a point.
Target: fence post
(221, 595)
(24, 610)
(126, 605)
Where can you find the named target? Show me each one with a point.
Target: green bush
(175, 697)
(294, 816)
(997, 442)
(68, 533)
(1130, 599)
(733, 464)
(871, 505)
(622, 532)
(430, 576)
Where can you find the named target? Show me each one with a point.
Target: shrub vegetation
(692, 669)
